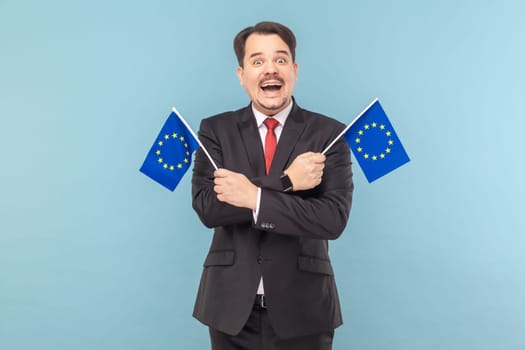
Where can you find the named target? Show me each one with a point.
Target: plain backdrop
(95, 255)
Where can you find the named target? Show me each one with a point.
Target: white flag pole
(349, 125)
(196, 138)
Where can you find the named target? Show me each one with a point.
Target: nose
(270, 68)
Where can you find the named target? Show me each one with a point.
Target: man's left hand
(235, 189)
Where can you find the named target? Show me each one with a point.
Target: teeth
(271, 84)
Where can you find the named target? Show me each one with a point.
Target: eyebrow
(284, 52)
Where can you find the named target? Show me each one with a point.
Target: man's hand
(235, 189)
(306, 171)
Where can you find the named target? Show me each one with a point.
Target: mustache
(271, 77)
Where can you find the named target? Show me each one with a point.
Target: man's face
(269, 74)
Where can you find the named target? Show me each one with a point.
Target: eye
(257, 62)
(281, 60)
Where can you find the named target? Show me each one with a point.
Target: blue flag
(375, 144)
(170, 156)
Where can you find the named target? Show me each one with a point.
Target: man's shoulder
(319, 120)
(228, 116)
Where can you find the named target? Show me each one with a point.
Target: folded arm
(320, 212)
(318, 207)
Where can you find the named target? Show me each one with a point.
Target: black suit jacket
(288, 244)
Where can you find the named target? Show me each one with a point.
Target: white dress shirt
(260, 117)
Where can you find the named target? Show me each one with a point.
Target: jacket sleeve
(210, 210)
(320, 213)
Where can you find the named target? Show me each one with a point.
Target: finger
(221, 172)
(305, 155)
(319, 168)
(219, 181)
(318, 157)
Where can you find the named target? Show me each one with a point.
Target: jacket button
(259, 259)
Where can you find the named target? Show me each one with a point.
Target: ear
(295, 69)
(240, 74)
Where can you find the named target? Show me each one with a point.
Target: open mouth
(271, 86)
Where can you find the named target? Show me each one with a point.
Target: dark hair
(266, 28)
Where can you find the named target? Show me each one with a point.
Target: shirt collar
(280, 117)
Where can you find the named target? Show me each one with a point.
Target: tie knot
(271, 123)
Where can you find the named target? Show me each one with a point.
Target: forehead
(264, 44)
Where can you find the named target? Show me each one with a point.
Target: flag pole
(196, 137)
(348, 126)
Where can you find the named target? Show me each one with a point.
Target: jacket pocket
(317, 265)
(220, 258)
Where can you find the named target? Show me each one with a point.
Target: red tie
(270, 143)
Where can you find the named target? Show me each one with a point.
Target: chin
(274, 106)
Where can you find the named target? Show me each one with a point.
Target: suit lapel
(252, 141)
(293, 128)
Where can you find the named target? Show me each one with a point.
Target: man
(273, 203)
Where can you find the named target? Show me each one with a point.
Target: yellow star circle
(370, 127)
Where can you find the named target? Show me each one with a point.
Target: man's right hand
(306, 171)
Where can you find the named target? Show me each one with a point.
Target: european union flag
(375, 144)
(170, 156)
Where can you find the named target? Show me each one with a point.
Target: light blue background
(94, 255)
